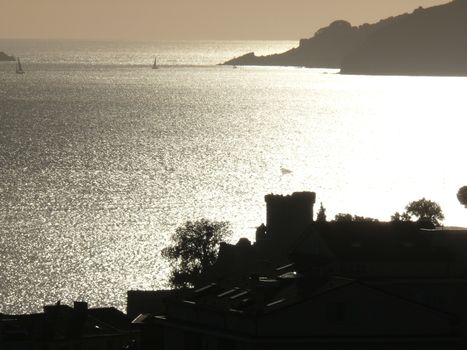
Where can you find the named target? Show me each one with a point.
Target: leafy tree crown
(194, 248)
(462, 195)
(425, 211)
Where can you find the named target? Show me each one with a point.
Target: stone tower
(288, 216)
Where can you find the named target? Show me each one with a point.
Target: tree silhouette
(344, 217)
(398, 217)
(425, 211)
(195, 247)
(357, 218)
(321, 216)
(462, 195)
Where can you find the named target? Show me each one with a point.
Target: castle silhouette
(326, 285)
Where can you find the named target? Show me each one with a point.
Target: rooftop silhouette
(305, 284)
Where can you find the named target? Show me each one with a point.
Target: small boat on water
(19, 69)
(154, 66)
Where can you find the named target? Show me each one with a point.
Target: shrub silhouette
(344, 217)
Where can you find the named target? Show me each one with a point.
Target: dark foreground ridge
(5, 57)
(318, 285)
(426, 42)
(302, 285)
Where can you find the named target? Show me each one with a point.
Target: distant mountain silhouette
(5, 57)
(428, 41)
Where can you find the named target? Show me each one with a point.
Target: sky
(189, 19)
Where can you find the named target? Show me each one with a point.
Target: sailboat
(19, 69)
(154, 66)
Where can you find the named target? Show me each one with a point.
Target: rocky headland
(5, 57)
(427, 41)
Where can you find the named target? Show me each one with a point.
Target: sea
(102, 157)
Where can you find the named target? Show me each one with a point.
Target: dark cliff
(426, 42)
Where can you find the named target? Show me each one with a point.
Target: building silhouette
(61, 327)
(328, 285)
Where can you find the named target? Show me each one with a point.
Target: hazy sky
(188, 19)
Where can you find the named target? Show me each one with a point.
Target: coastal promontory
(326, 49)
(427, 41)
(5, 57)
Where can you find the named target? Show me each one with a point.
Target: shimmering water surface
(102, 157)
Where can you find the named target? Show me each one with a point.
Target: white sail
(19, 69)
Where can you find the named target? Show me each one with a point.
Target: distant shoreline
(6, 58)
(426, 42)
